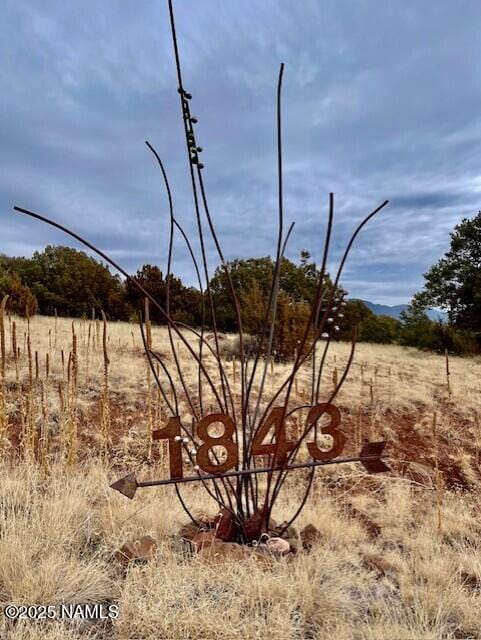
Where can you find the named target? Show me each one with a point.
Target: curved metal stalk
(149, 353)
(266, 363)
(167, 294)
(201, 335)
(274, 290)
(188, 130)
(322, 273)
(175, 411)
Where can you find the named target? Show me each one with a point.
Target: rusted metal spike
(127, 485)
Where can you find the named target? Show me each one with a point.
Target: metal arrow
(370, 457)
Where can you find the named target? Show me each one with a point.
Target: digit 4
(279, 441)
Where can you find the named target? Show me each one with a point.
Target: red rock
(188, 531)
(139, 550)
(206, 520)
(252, 527)
(470, 580)
(203, 539)
(219, 552)
(378, 563)
(226, 528)
(310, 536)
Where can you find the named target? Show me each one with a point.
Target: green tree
(151, 279)
(416, 328)
(185, 303)
(454, 282)
(71, 282)
(380, 329)
(21, 300)
(419, 331)
(297, 282)
(354, 313)
(252, 280)
(290, 326)
(253, 303)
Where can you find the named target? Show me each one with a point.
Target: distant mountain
(395, 311)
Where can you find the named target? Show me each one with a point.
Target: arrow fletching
(373, 452)
(127, 485)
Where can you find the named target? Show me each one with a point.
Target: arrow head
(127, 485)
(374, 451)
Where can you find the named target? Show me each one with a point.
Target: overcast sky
(381, 100)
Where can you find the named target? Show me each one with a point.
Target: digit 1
(170, 432)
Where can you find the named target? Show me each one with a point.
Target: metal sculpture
(232, 478)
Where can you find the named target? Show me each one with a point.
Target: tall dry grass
(58, 538)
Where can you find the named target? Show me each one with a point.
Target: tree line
(63, 281)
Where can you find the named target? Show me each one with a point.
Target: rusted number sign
(280, 447)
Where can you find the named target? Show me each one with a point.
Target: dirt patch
(410, 444)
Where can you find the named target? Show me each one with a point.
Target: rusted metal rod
(244, 472)
(129, 484)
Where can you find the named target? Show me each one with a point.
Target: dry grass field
(398, 554)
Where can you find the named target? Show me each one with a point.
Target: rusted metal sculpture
(243, 490)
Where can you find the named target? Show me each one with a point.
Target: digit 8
(225, 440)
(339, 439)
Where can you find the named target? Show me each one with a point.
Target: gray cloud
(381, 100)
